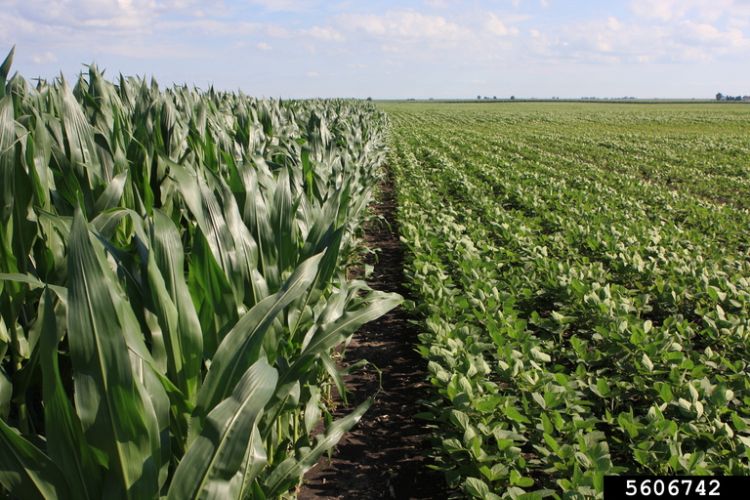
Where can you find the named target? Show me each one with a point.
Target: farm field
(173, 286)
(582, 277)
(200, 291)
(423, 250)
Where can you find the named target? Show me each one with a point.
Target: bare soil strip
(387, 454)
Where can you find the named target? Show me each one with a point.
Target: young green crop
(173, 284)
(583, 275)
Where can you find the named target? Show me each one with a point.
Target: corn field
(174, 286)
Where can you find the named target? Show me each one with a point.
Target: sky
(394, 49)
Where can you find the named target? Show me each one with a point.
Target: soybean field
(582, 278)
(202, 294)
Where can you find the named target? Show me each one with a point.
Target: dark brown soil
(387, 454)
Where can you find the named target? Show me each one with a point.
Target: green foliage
(585, 287)
(173, 279)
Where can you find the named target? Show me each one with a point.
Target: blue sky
(389, 49)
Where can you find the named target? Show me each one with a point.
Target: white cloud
(404, 24)
(107, 15)
(324, 33)
(708, 10)
(44, 58)
(437, 4)
(212, 28)
(615, 40)
(276, 31)
(659, 9)
(497, 27)
(711, 40)
(613, 23)
(262, 46)
(283, 5)
(104, 14)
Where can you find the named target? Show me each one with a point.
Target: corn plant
(173, 285)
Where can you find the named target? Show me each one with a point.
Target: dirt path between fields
(387, 454)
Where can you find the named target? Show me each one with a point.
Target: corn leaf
(66, 444)
(286, 475)
(109, 403)
(183, 339)
(5, 69)
(241, 347)
(25, 471)
(217, 463)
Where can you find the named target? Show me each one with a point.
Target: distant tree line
(594, 98)
(722, 97)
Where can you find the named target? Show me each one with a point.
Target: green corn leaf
(255, 215)
(241, 346)
(5, 70)
(31, 281)
(24, 224)
(332, 244)
(333, 372)
(210, 290)
(227, 455)
(312, 409)
(183, 339)
(282, 215)
(5, 67)
(25, 471)
(219, 220)
(112, 193)
(327, 336)
(323, 338)
(7, 162)
(38, 152)
(111, 406)
(256, 459)
(66, 444)
(79, 144)
(286, 475)
(308, 172)
(6, 386)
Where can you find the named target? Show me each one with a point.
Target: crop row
(173, 286)
(579, 320)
